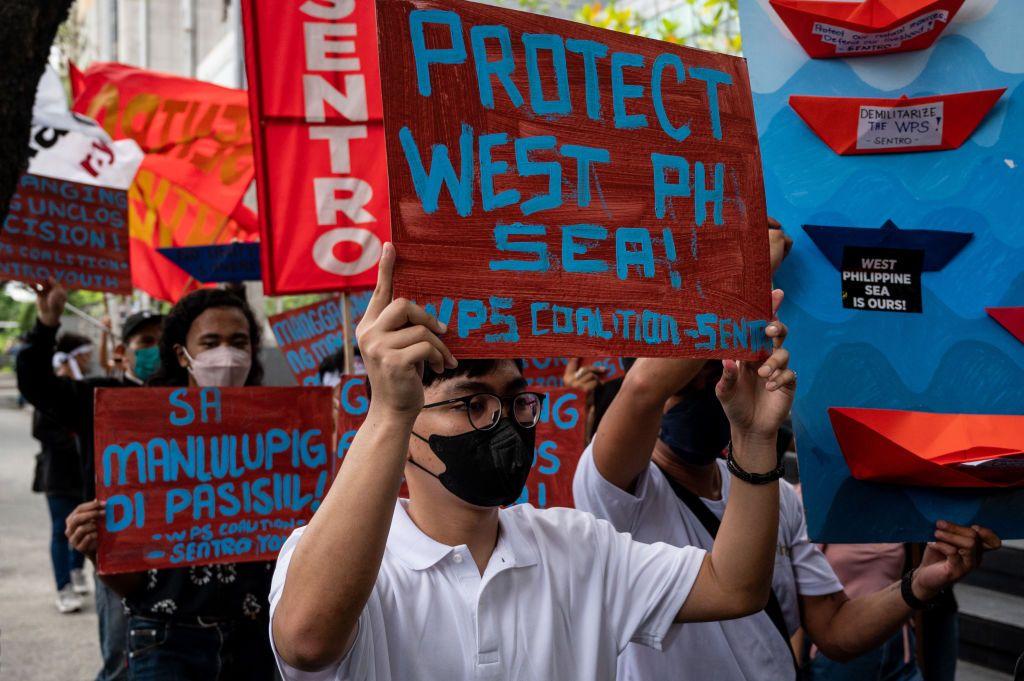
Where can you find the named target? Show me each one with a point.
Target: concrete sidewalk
(36, 642)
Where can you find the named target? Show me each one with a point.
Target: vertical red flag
(314, 88)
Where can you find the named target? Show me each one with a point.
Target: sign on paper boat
(939, 246)
(931, 450)
(854, 29)
(870, 125)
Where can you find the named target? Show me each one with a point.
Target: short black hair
(334, 362)
(71, 341)
(179, 320)
(470, 368)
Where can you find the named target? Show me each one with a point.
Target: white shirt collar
(418, 551)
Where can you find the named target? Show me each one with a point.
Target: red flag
(198, 165)
(314, 86)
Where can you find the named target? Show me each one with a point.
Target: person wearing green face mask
(70, 404)
(139, 352)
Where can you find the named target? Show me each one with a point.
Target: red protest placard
(554, 184)
(76, 233)
(351, 413)
(207, 475)
(561, 438)
(314, 87)
(549, 372)
(307, 335)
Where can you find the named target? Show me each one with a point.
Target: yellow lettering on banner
(162, 214)
(239, 115)
(144, 105)
(142, 215)
(208, 136)
(236, 163)
(107, 101)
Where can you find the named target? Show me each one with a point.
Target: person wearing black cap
(70, 404)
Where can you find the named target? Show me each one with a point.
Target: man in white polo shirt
(445, 586)
(667, 410)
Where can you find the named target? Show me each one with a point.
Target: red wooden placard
(314, 89)
(561, 438)
(657, 247)
(207, 475)
(307, 335)
(549, 372)
(76, 233)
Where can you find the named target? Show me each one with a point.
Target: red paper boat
(855, 29)
(931, 450)
(867, 125)
(1012, 319)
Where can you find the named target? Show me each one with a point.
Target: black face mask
(696, 430)
(485, 467)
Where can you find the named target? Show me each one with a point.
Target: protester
(865, 569)
(445, 585)
(69, 404)
(73, 358)
(331, 369)
(59, 476)
(204, 621)
(654, 470)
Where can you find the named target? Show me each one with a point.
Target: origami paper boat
(855, 29)
(235, 262)
(1012, 319)
(931, 450)
(939, 246)
(867, 125)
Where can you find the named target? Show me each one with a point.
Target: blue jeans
(214, 651)
(64, 558)
(885, 663)
(113, 634)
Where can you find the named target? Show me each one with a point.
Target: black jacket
(69, 403)
(61, 467)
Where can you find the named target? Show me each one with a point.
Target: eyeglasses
(484, 409)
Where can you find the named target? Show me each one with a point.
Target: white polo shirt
(561, 597)
(745, 649)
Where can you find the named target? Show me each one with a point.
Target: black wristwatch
(754, 478)
(907, 591)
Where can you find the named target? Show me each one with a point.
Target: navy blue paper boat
(939, 246)
(231, 263)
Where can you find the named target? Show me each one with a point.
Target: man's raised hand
(396, 339)
(51, 298)
(757, 401)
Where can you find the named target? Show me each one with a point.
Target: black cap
(137, 321)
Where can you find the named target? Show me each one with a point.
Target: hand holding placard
(396, 338)
(51, 298)
(757, 401)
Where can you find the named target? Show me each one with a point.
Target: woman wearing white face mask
(211, 339)
(204, 621)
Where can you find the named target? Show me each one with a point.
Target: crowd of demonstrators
(68, 404)
(448, 584)
(681, 518)
(654, 469)
(202, 621)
